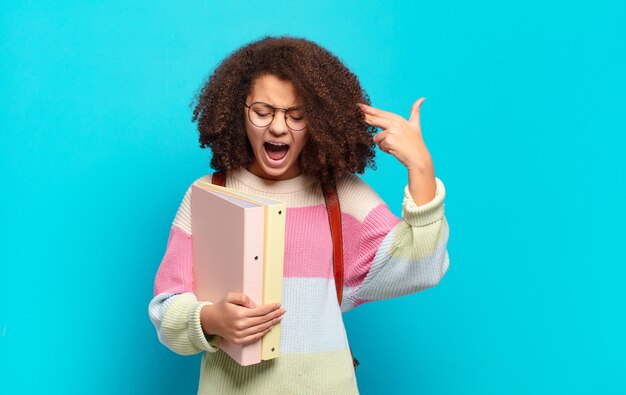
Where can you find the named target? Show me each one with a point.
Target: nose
(278, 126)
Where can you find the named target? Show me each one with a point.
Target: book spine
(273, 272)
(254, 233)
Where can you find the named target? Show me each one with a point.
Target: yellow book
(273, 257)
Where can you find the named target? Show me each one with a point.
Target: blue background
(524, 117)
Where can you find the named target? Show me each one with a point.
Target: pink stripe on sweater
(175, 274)
(376, 226)
(308, 246)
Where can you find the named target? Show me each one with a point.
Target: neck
(260, 183)
(257, 170)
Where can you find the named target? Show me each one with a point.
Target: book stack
(238, 246)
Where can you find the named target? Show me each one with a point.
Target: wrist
(422, 185)
(421, 168)
(207, 320)
(423, 164)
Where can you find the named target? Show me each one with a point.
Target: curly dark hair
(340, 140)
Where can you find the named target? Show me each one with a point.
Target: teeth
(276, 144)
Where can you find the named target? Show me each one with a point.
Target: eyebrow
(264, 102)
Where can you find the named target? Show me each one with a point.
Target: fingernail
(283, 311)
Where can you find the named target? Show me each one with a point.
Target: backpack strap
(334, 219)
(219, 178)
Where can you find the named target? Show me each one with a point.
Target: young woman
(284, 118)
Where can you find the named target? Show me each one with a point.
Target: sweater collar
(261, 184)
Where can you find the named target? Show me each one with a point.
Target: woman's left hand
(400, 137)
(403, 139)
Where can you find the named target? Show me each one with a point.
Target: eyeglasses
(262, 114)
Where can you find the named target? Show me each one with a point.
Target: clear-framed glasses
(262, 114)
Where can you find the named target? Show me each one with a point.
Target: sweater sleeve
(174, 310)
(399, 257)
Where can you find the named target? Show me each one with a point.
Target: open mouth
(276, 151)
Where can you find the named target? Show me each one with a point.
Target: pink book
(228, 242)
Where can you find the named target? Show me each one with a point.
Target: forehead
(275, 91)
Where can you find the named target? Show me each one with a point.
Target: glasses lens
(261, 114)
(296, 120)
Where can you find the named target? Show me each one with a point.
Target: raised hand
(403, 139)
(237, 319)
(399, 137)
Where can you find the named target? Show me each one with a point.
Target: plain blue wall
(524, 117)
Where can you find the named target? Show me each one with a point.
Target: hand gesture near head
(238, 319)
(402, 138)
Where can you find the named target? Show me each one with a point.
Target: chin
(262, 170)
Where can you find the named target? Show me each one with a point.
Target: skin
(403, 139)
(236, 317)
(280, 94)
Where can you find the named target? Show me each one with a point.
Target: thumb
(415, 111)
(240, 299)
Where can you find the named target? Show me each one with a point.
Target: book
(271, 232)
(227, 243)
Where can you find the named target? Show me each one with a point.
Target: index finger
(378, 112)
(263, 309)
(379, 122)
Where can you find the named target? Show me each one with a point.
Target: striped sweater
(384, 257)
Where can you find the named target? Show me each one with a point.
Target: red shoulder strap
(219, 178)
(334, 218)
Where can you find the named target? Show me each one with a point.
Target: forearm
(422, 184)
